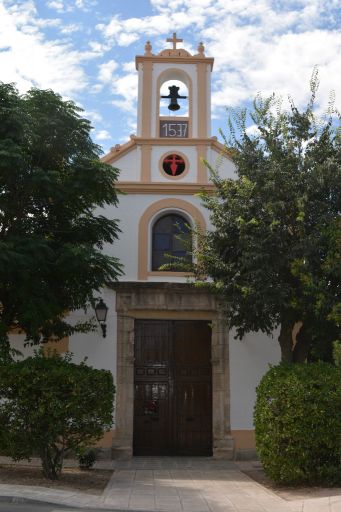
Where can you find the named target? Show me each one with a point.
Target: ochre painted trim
(190, 141)
(244, 439)
(118, 151)
(202, 169)
(162, 204)
(178, 60)
(172, 315)
(134, 187)
(174, 178)
(188, 82)
(169, 273)
(15, 330)
(105, 441)
(221, 148)
(146, 99)
(56, 347)
(202, 99)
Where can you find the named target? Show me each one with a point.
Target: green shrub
(298, 423)
(50, 406)
(86, 458)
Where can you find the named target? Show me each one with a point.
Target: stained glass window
(171, 238)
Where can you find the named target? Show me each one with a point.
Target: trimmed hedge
(298, 423)
(50, 406)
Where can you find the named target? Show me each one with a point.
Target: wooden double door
(173, 388)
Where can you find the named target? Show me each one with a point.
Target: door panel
(193, 376)
(173, 388)
(152, 429)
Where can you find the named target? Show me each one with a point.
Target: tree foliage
(50, 406)
(51, 183)
(298, 423)
(274, 253)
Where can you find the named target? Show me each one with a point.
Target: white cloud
(71, 28)
(258, 45)
(106, 71)
(70, 5)
(58, 5)
(252, 130)
(92, 115)
(29, 59)
(125, 87)
(102, 135)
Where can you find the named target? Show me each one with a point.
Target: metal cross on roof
(174, 40)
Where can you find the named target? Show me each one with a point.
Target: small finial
(148, 48)
(201, 49)
(117, 147)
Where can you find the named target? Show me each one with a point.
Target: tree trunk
(5, 348)
(302, 346)
(51, 463)
(285, 340)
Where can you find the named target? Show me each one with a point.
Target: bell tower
(162, 172)
(173, 66)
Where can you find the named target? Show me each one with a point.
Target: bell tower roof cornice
(178, 55)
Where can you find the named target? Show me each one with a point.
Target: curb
(31, 501)
(20, 500)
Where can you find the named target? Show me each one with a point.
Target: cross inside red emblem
(176, 162)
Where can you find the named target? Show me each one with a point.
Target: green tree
(50, 406)
(52, 184)
(274, 253)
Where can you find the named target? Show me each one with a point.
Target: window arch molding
(148, 219)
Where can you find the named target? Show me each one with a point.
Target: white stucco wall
(139, 99)
(131, 208)
(17, 342)
(224, 166)
(129, 165)
(249, 360)
(101, 352)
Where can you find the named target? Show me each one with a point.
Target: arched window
(171, 237)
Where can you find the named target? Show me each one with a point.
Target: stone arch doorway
(169, 301)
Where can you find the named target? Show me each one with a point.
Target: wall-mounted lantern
(101, 310)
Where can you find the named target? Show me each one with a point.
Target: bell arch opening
(174, 99)
(174, 77)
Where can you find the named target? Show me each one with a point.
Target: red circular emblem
(173, 165)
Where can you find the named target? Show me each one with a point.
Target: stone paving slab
(176, 484)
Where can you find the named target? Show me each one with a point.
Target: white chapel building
(184, 385)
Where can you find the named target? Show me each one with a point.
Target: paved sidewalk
(176, 485)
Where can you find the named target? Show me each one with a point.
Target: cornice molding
(195, 59)
(136, 187)
(118, 151)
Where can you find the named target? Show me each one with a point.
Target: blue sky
(85, 50)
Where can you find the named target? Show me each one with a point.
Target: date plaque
(174, 129)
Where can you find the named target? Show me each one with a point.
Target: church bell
(174, 96)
